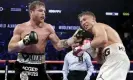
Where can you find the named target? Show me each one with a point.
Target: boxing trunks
(116, 64)
(30, 67)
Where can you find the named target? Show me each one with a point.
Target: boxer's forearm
(15, 47)
(98, 42)
(65, 43)
(76, 38)
(62, 44)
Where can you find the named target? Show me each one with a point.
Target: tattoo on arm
(64, 43)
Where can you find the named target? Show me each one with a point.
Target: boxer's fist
(73, 40)
(31, 38)
(79, 33)
(76, 38)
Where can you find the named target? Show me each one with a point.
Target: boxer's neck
(90, 30)
(35, 24)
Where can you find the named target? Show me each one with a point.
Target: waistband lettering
(121, 48)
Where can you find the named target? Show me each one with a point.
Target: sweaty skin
(108, 46)
(104, 35)
(111, 36)
(44, 31)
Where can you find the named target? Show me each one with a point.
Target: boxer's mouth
(42, 17)
(86, 27)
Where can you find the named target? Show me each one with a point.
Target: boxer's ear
(30, 11)
(94, 18)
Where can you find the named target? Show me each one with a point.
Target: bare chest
(41, 32)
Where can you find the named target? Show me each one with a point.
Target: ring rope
(51, 71)
(51, 61)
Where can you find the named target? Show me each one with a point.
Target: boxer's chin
(42, 20)
(86, 29)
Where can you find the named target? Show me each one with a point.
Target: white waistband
(115, 47)
(30, 59)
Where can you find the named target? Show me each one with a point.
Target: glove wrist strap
(21, 44)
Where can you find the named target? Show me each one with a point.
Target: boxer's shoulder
(49, 27)
(99, 25)
(47, 24)
(102, 25)
(22, 25)
(19, 27)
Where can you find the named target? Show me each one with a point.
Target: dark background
(68, 17)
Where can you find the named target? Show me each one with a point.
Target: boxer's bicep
(100, 33)
(16, 35)
(57, 43)
(54, 39)
(13, 44)
(100, 36)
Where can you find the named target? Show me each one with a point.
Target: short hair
(87, 13)
(33, 4)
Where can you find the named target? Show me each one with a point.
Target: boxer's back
(113, 42)
(113, 36)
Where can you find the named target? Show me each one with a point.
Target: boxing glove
(79, 33)
(78, 51)
(31, 38)
(76, 38)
